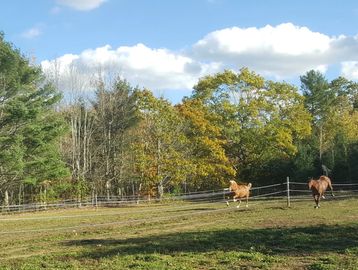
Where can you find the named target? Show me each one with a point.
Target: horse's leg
(238, 206)
(315, 197)
(247, 201)
(318, 199)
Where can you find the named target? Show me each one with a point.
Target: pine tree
(29, 126)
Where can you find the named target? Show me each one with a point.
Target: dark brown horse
(319, 187)
(240, 191)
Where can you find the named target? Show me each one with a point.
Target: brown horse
(319, 187)
(240, 191)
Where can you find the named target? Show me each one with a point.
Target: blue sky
(168, 45)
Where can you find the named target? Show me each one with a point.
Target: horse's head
(232, 185)
(310, 183)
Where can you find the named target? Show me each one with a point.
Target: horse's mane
(233, 184)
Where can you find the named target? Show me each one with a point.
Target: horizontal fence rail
(292, 191)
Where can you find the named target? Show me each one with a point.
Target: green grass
(185, 236)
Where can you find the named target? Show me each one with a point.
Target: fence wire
(195, 202)
(279, 190)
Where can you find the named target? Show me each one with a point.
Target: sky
(168, 45)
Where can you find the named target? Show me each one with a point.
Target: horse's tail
(249, 185)
(330, 186)
(328, 180)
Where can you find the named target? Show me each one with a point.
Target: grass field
(185, 235)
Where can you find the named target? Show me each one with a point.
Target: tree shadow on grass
(271, 241)
(191, 210)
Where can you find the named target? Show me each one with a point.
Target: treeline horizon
(123, 140)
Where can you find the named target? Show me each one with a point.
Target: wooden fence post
(288, 192)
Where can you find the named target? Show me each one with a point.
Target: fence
(291, 191)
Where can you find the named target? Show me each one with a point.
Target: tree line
(122, 140)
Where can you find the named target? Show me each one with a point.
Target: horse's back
(243, 190)
(319, 186)
(326, 179)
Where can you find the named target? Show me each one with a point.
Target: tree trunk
(19, 196)
(6, 201)
(320, 143)
(108, 187)
(160, 191)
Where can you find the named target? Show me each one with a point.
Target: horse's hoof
(323, 197)
(227, 203)
(238, 206)
(247, 206)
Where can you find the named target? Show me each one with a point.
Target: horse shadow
(298, 241)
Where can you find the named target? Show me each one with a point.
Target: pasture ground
(185, 235)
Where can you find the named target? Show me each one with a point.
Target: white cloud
(284, 39)
(81, 5)
(156, 69)
(283, 51)
(350, 70)
(60, 64)
(32, 33)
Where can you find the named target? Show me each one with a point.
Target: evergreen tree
(29, 126)
(335, 129)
